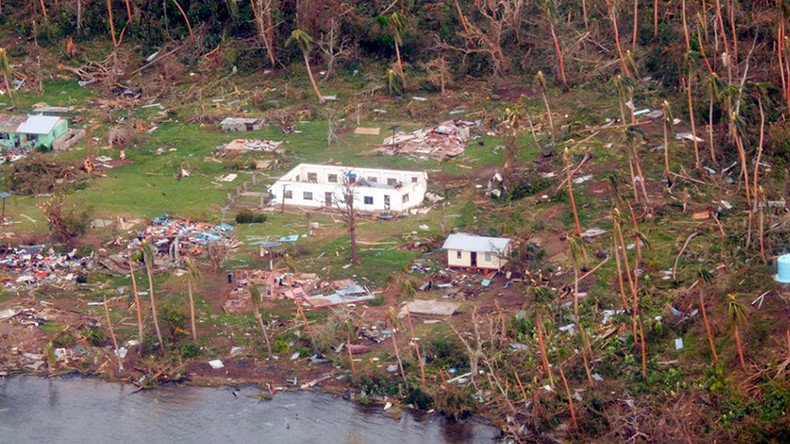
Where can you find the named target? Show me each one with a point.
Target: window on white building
(405, 197)
(458, 254)
(392, 182)
(488, 257)
(332, 178)
(368, 200)
(373, 179)
(414, 179)
(307, 195)
(288, 194)
(312, 177)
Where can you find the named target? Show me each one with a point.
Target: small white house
(472, 251)
(322, 186)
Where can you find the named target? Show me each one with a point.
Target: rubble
(36, 265)
(446, 140)
(241, 124)
(252, 145)
(307, 288)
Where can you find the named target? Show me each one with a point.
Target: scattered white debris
(582, 179)
(216, 364)
(688, 136)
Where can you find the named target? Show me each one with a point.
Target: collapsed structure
(36, 265)
(241, 124)
(253, 146)
(374, 190)
(171, 240)
(306, 289)
(445, 140)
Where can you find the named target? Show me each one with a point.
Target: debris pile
(307, 288)
(171, 239)
(239, 146)
(36, 265)
(446, 140)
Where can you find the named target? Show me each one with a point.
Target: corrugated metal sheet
(10, 122)
(38, 124)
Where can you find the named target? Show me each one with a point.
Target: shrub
(96, 336)
(190, 350)
(249, 217)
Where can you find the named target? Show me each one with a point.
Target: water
(71, 410)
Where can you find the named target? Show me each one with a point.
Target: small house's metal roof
(471, 242)
(38, 124)
(10, 122)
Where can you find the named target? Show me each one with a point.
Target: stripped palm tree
(138, 307)
(8, 72)
(540, 81)
(396, 325)
(667, 127)
(707, 278)
(396, 22)
(256, 304)
(148, 258)
(193, 274)
(576, 253)
(736, 316)
(305, 44)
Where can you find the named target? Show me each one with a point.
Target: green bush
(249, 217)
(190, 350)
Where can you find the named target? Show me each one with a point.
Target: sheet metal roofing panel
(38, 124)
(471, 242)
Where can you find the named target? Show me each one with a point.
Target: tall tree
(736, 317)
(551, 12)
(138, 307)
(8, 73)
(397, 24)
(193, 274)
(305, 44)
(256, 304)
(148, 258)
(112, 23)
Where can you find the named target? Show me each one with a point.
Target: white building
(472, 251)
(322, 186)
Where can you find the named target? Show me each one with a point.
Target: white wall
(494, 262)
(296, 181)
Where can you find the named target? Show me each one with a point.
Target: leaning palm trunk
(139, 308)
(112, 335)
(256, 302)
(148, 257)
(192, 312)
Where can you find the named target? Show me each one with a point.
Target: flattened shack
(37, 131)
(472, 251)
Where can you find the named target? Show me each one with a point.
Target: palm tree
(736, 316)
(576, 253)
(396, 23)
(396, 325)
(112, 24)
(139, 309)
(256, 304)
(305, 44)
(667, 126)
(186, 20)
(707, 277)
(7, 70)
(350, 331)
(148, 258)
(568, 178)
(713, 85)
(550, 17)
(691, 120)
(193, 274)
(540, 80)
(394, 82)
(112, 334)
(128, 12)
(44, 10)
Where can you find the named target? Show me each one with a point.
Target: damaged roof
(10, 122)
(471, 242)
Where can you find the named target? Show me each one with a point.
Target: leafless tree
(263, 11)
(333, 46)
(439, 72)
(345, 204)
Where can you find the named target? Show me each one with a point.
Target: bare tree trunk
(636, 25)
(740, 348)
(112, 24)
(655, 18)
(112, 335)
(312, 79)
(570, 398)
(265, 332)
(397, 356)
(150, 273)
(138, 307)
(79, 16)
(544, 358)
(262, 10)
(44, 11)
(192, 311)
(623, 64)
(128, 12)
(707, 327)
(557, 49)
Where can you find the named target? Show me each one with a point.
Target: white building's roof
(471, 242)
(38, 124)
